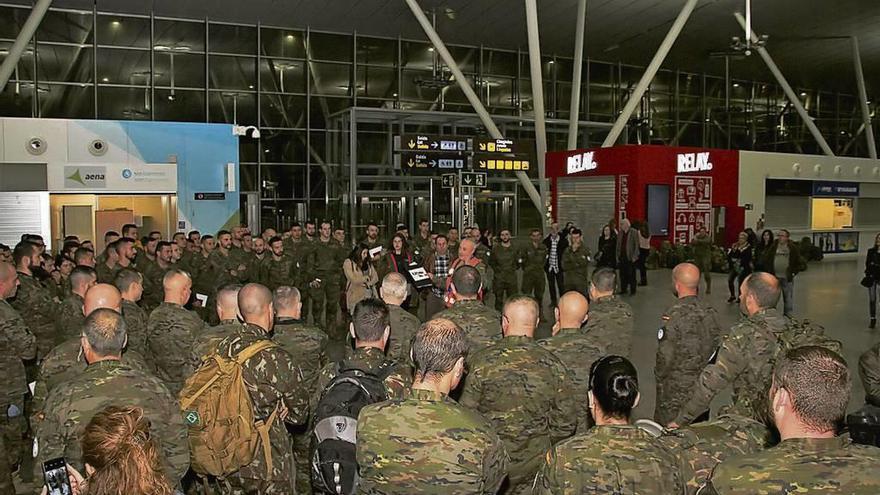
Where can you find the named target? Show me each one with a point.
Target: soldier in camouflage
(523, 390)
(258, 255)
(205, 342)
(480, 323)
(105, 266)
(299, 249)
(425, 442)
(404, 324)
(576, 349)
(533, 256)
(809, 394)
(326, 266)
(687, 339)
(275, 383)
(202, 270)
(504, 261)
(108, 380)
(744, 357)
(130, 285)
(227, 265)
(576, 260)
(277, 269)
(171, 332)
(19, 345)
(869, 371)
(70, 315)
(33, 300)
(154, 275)
(611, 319)
(614, 456)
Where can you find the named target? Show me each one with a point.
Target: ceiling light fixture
(430, 48)
(106, 79)
(289, 37)
(735, 85)
(115, 23)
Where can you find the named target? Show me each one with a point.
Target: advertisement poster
(836, 242)
(623, 195)
(692, 207)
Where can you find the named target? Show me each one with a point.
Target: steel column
(574, 111)
(538, 97)
(24, 37)
(792, 97)
(649, 74)
(863, 99)
(472, 97)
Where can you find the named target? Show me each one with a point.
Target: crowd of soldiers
(475, 404)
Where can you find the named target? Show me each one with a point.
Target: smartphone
(57, 479)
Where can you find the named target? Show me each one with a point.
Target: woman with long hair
(361, 276)
(397, 259)
(606, 252)
(120, 456)
(764, 243)
(739, 263)
(872, 274)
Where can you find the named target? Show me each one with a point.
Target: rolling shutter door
(588, 202)
(24, 212)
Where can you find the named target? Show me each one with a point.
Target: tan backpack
(219, 414)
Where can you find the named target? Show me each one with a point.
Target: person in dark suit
(556, 244)
(627, 256)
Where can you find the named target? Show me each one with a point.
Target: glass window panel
(116, 30)
(116, 66)
(372, 148)
(467, 58)
(67, 27)
(331, 79)
(601, 73)
(179, 69)
(75, 101)
(180, 35)
(280, 214)
(64, 63)
(283, 181)
(283, 146)
(416, 55)
(419, 85)
(283, 110)
(11, 20)
(16, 100)
(376, 51)
(690, 84)
(376, 82)
(283, 76)
(233, 72)
(248, 149)
(247, 173)
(317, 186)
(318, 142)
(283, 43)
(25, 64)
(124, 103)
(223, 38)
(182, 106)
(330, 47)
(499, 63)
(601, 100)
(229, 107)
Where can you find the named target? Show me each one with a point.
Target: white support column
(649, 74)
(863, 99)
(789, 92)
(24, 37)
(537, 97)
(574, 111)
(472, 97)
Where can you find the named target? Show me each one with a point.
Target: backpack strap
(254, 349)
(263, 428)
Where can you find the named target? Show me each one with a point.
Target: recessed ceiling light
(430, 48)
(803, 93)
(106, 79)
(115, 23)
(735, 85)
(251, 86)
(289, 37)
(551, 62)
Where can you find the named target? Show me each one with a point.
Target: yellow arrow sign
(482, 146)
(410, 162)
(411, 144)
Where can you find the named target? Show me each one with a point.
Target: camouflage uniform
(426, 443)
(326, 264)
(71, 319)
(421, 246)
(525, 392)
(609, 459)
(39, 310)
(205, 342)
(577, 351)
(71, 405)
(255, 266)
(301, 252)
(404, 326)
(700, 447)
(171, 332)
(504, 261)
(226, 268)
(480, 323)
(801, 465)
(533, 278)
(135, 326)
(686, 342)
(204, 274)
(154, 290)
(744, 360)
(869, 371)
(271, 377)
(577, 269)
(611, 324)
(18, 345)
(275, 273)
(105, 273)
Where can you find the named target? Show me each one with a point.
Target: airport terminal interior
(724, 149)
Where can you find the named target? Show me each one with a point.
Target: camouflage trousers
(325, 300)
(504, 288)
(11, 444)
(533, 284)
(302, 454)
(6, 485)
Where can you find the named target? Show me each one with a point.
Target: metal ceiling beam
(636, 97)
(574, 111)
(863, 99)
(537, 98)
(24, 37)
(472, 97)
(789, 92)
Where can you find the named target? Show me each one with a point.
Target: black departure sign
(495, 146)
(473, 179)
(433, 143)
(430, 161)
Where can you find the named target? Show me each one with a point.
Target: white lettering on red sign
(581, 162)
(694, 162)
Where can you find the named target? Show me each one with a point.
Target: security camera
(240, 130)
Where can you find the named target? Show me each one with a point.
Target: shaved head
(176, 280)
(572, 310)
(227, 301)
(687, 275)
(102, 296)
(394, 286)
(520, 316)
(254, 301)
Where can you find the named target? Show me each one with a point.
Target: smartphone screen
(55, 474)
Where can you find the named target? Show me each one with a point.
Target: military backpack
(217, 409)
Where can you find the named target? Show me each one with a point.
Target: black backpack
(334, 436)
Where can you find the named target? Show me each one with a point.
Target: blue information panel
(835, 189)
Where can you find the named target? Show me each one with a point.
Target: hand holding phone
(61, 478)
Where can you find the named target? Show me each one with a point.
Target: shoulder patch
(661, 333)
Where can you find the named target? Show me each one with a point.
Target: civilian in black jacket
(739, 262)
(556, 243)
(872, 270)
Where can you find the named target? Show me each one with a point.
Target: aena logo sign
(694, 162)
(581, 162)
(85, 177)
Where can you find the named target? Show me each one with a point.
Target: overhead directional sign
(495, 146)
(429, 143)
(452, 161)
(485, 163)
(473, 179)
(447, 181)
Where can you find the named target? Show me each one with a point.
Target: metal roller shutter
(588, 202)
(23, 213)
